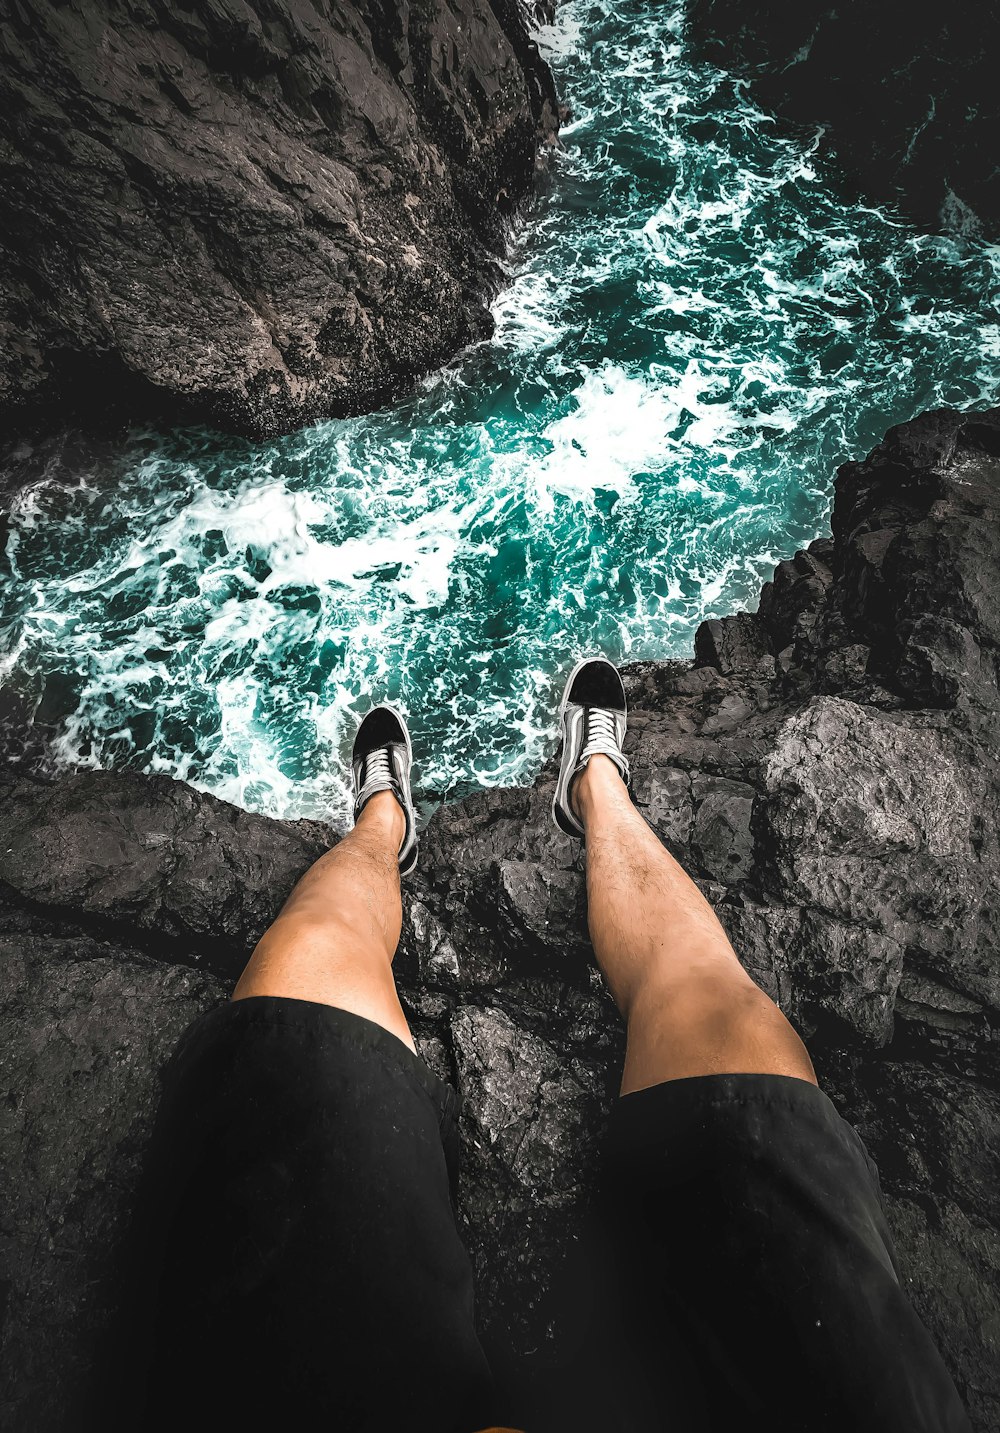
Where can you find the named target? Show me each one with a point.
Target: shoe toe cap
(598, 684)
(380, 727)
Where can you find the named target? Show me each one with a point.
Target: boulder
(254, 213)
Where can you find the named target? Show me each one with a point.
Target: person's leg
(295, 1236)
(335, 937)
(690, 1007)
(742, 1268)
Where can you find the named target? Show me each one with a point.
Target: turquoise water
(699, 327)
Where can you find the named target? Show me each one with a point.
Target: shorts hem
(317, 1019)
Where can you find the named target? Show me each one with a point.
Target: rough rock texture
(909, 95)
(84, 1027)
(259, 211)
(827, 768)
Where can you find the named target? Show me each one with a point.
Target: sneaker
(593, 717)
(381, 761)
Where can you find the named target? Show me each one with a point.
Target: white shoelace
(599, 735)
(377, 772)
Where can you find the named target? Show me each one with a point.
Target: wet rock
(256, 213)
(840, 806)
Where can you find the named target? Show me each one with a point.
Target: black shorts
(297, 1262)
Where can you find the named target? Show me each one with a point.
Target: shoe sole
(411, 860)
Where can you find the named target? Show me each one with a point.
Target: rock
(921, 592)
(663, 795)
(259, 214)
(731, 644)
(439, 961)
(840, 805)
(531, 1122)
(721, 839)
(865, 809)
(203, 877)
(789, 601)
(85, 1027)
(844, 974)
(511, 1082)
(909, 101)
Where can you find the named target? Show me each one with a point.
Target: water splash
(700, 326)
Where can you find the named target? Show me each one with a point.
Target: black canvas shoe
(593, 717)
(381, 761)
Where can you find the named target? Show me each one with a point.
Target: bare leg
(335, 937)
(690, 1007)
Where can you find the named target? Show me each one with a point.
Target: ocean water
(700, 324)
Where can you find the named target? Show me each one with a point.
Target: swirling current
(701, 322)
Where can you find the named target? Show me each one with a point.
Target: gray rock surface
(85, 1026)
(908, 95)
(827, 769)
(256, 211)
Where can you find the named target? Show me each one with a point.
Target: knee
(714, 1012)
(717, 1005)
(702, 991)
(304, 933)
(712, 1022)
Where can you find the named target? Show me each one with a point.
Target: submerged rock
(909, 97)
(827, 770)
(256, 213)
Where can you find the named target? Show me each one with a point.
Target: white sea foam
(698, 328)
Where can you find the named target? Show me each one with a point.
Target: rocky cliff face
(908, 95)
(828, 770)
(258, 213)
